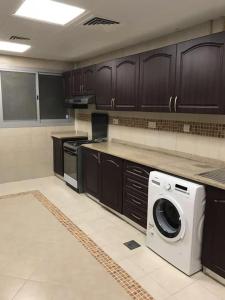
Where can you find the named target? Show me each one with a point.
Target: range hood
(80, 101)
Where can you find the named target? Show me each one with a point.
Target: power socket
(152, 125)
(187, 128)
(115, 121)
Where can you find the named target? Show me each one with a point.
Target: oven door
(70, 168)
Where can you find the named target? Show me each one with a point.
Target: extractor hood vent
(100, 21)
(19, 38)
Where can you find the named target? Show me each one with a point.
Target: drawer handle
(219, 201)
(137, 171)
(135, 201)
(136, 186)
(136, 217)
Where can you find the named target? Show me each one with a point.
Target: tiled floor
(158, 277)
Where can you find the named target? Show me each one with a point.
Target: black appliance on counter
(73, 153)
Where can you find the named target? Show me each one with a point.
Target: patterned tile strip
(197, 128)
(133, 289)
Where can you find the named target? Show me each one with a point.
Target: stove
(73, 162)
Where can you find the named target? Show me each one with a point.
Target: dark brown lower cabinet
(135, 192)
(111, 181)
(213, 252)
(92, 172)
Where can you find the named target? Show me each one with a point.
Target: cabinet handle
(136, 217)
(137, 186)
(99, 158)
(95, 156)
(170, 102)
(135, 201)
(113, 103)
(137, 171)
(175, 104)
(113, 162)
(220, 201)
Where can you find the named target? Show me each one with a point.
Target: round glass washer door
(168, 219)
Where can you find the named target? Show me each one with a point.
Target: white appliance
(175, 220)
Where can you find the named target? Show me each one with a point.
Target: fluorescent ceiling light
(49, 11)
(13, 47)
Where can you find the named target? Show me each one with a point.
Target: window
(31, 97)
(51, 97)
(18, 96)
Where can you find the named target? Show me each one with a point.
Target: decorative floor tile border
(133, 288)
(197, 128)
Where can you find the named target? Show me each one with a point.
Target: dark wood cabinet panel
(157, 79)
(88, 80)
(105, 85)
(214, 231)
(111, 181)
(200, 72)
(91, 172)
(77, 82)
(67, 84)
(126, 83)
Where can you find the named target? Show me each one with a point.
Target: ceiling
(140, 20)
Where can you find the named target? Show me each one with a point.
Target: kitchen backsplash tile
(195, 128)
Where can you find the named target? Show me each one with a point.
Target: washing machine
(175, 220)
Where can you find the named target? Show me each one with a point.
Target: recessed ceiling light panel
(13, 47)
(49, 11)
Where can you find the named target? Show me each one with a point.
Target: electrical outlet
(115, 121)
(187, 128)
(152, 125)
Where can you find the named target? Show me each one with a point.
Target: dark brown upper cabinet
(77, 82)
(105, 85)
(117, 84)
(67, 84)
(200, 73)
(157, 79)
(111, 181)
(88, 80)
(126, 83)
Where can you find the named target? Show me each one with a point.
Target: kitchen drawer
(136, 186)
(133, 199)
(139, 171)
(138, 216)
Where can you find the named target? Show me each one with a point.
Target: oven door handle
(69, 152)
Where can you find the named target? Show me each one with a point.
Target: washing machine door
(169, 219)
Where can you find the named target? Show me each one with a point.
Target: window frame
(32, 123)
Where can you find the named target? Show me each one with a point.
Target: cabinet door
(111, 182)
(214, 231)
(91, 172)
(200, 75)
(126, 83)
(77, 82)
(67, 84)
(105, 85)
(89, 80)
(157, 79)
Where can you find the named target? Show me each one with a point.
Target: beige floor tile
(47, 291)
(131, 268)
(153, 288)
(212, 285)
(9, 286)
(171, 279)
(192, 292)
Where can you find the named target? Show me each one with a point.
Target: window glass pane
(51, 97)
(18, 96)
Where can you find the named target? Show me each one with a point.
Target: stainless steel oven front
(70, 167)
